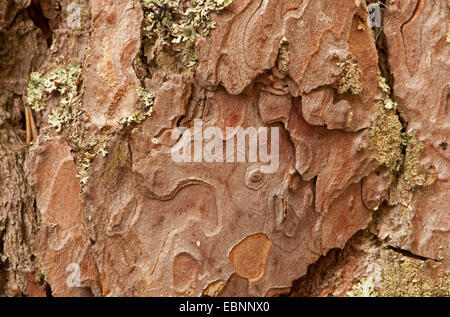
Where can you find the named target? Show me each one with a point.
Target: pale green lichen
(412, 175)
(62, 116)
(388, 102)
(57, 78)
(448, 36)
(414, 149)
(398, 151)
(283, 55)
(365, 288)
(147, 100)
(171, 27)
(351, 78)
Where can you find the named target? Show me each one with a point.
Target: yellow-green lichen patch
(64, 80)
(171, 27)
(283, 56)
(351, 78)
(66, 115)
(385, 138)
(407, 277)
(35, 92)
(145, 97)
(147, 100)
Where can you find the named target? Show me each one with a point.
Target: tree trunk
(119, 177)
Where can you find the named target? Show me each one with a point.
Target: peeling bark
(96, 206)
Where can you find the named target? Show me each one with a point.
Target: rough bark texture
(357, 207)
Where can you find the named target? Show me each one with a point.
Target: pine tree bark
(93, 203)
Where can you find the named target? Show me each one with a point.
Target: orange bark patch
(249, 256)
